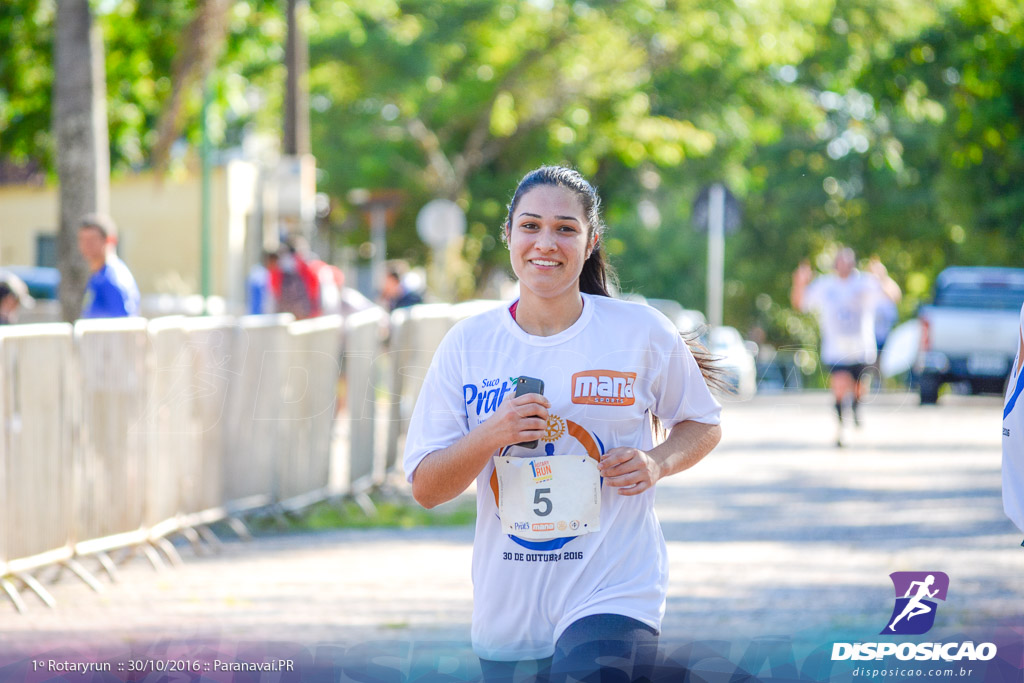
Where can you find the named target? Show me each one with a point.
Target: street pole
(206, 209)
(716, 253)
(378, 236)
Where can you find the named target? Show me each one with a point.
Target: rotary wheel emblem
(554, 430)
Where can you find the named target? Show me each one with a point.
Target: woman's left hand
(632, 470)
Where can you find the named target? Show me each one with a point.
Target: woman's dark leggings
(602, 647)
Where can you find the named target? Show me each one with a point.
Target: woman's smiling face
(549, 240)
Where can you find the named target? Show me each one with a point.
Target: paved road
(778, 532)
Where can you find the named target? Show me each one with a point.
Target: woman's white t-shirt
(605, 375)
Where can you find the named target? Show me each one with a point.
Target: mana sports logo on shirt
(603, 388)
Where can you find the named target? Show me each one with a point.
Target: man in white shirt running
(845, 303)
(1013, 436)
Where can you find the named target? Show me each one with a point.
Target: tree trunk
(201, 44)
(296, 101)
(83, 151)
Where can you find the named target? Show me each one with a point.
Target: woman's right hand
(522, 418)
(447, 472)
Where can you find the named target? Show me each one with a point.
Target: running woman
(569, 560)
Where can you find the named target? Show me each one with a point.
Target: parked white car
(737, 360)
(687, 320)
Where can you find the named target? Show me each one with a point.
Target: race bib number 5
(551, 497)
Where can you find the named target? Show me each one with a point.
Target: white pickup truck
(969, 333)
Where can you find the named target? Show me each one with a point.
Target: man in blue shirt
(394, 291)
(111, 291)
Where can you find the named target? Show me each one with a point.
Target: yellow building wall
(159, 227)
(24, 213)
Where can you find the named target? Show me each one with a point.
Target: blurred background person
(330, 282)
(13, 294)
(886, 313)
(845, 303)
(394, 292)
(257, 285)
(111, 291)
(293, 284)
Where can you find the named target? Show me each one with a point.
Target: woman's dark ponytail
(597, 274)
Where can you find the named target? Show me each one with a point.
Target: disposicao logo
(914, 614)
(916, 593)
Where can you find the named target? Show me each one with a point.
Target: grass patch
(389, 514)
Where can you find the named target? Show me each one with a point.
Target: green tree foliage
(893, 126)
(650, 99)
(141, 41)
(26, 82)
(912, 156)
(458, 99)
(955, 94)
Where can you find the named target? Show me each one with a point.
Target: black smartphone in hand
(529, 385)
